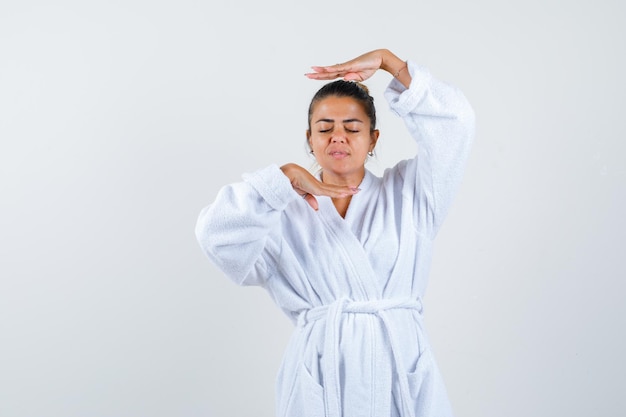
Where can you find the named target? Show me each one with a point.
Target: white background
(120, 120)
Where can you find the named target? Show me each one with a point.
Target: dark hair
(342, 88)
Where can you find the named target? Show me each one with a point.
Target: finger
(336, 191)
(310, 198)
(337, 70)
(331, 75)
(324, 75)
(328, 190)
(318, 68)
(330, 68)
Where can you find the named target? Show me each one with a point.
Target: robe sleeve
(240, 230)
(441, 120)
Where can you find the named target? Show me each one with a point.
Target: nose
(338, 138)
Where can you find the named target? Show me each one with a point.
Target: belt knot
(345, 305)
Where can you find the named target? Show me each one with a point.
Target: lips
(338, 154)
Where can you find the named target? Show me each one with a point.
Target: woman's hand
(308, 186)
(363, 67)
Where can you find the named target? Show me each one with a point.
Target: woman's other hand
(308, 186)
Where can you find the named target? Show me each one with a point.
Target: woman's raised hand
(357, 69)
(308, 186)
(363, 67)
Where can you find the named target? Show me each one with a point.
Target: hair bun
(363, 86)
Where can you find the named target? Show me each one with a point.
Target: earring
(370, 153)
(311, 152)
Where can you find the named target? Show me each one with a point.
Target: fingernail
(355, 189)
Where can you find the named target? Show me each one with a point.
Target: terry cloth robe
(353, 286)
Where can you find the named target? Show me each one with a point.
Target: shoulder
(397, 174)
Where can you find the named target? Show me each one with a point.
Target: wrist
(286, 168)
(290, 170)
(391, 63)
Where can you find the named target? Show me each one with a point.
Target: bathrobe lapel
(353, 252)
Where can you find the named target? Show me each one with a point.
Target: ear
(308, 138)
(374, 139)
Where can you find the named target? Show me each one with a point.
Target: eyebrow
(344, 121)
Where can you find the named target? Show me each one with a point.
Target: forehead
(339, 108)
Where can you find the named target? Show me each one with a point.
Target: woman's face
(340, 138)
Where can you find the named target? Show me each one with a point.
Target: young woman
(344, 253)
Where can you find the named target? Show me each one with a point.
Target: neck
(352, 180)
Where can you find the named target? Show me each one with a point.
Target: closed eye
(347, 130)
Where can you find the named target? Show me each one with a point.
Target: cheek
(316, 142)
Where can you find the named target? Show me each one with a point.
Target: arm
(240, 230)
(441, 120)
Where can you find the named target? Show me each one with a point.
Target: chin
(342, 171)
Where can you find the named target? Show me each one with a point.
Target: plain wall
(120, 120)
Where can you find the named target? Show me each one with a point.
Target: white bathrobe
(352, 286)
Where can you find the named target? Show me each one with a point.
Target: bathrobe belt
(333, 315)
